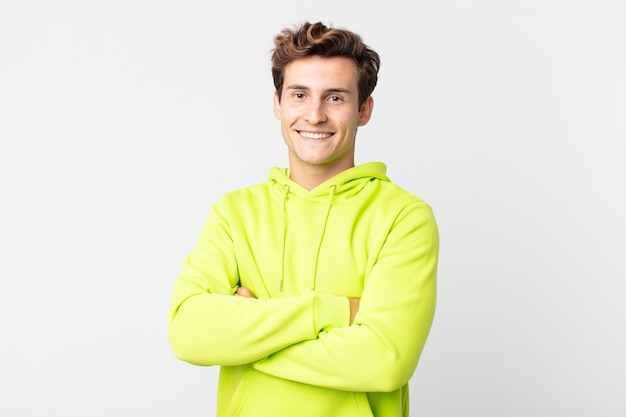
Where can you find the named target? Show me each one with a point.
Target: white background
(121, 122)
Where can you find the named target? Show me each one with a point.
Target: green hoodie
(292, 351)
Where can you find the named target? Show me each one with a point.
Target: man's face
(319, 113)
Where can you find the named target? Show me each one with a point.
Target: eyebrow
(329, 90)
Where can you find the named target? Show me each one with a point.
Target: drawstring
(331, 194)
(284, 242)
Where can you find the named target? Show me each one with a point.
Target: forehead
(317, 72)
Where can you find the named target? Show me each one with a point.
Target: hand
(354, 308)
(244, 292)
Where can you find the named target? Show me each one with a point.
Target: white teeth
(315, 135)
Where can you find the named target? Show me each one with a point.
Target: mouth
(314, 135)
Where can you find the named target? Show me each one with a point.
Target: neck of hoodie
(346, 184)
(310, 177)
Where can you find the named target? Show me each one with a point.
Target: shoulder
(247, 202)
(402, 208)
(394, 194)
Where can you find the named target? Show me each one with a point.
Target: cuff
(331, 311)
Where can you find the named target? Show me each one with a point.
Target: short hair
(317, 39)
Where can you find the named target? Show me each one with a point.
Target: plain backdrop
(121, 122)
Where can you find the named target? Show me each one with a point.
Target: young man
(315, 291)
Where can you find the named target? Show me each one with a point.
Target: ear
(276, 106)
(366, 111)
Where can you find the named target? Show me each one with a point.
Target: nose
(315, 112)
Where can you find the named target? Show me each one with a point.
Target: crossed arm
(354, 302)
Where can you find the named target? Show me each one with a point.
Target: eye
(334, 98)
(298, 95)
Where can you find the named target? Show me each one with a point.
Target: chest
(327, 249)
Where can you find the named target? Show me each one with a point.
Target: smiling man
(314, 291)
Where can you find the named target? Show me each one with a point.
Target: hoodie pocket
(238, 400)
(262, 395)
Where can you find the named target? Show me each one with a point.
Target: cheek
(289, 115)
(349, 123)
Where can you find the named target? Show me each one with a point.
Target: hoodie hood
(344, 185)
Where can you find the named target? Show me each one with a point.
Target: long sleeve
(210, 326)
(381, 350)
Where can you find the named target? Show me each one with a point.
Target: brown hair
(316, 39)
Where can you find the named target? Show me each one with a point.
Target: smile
(311, 135)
